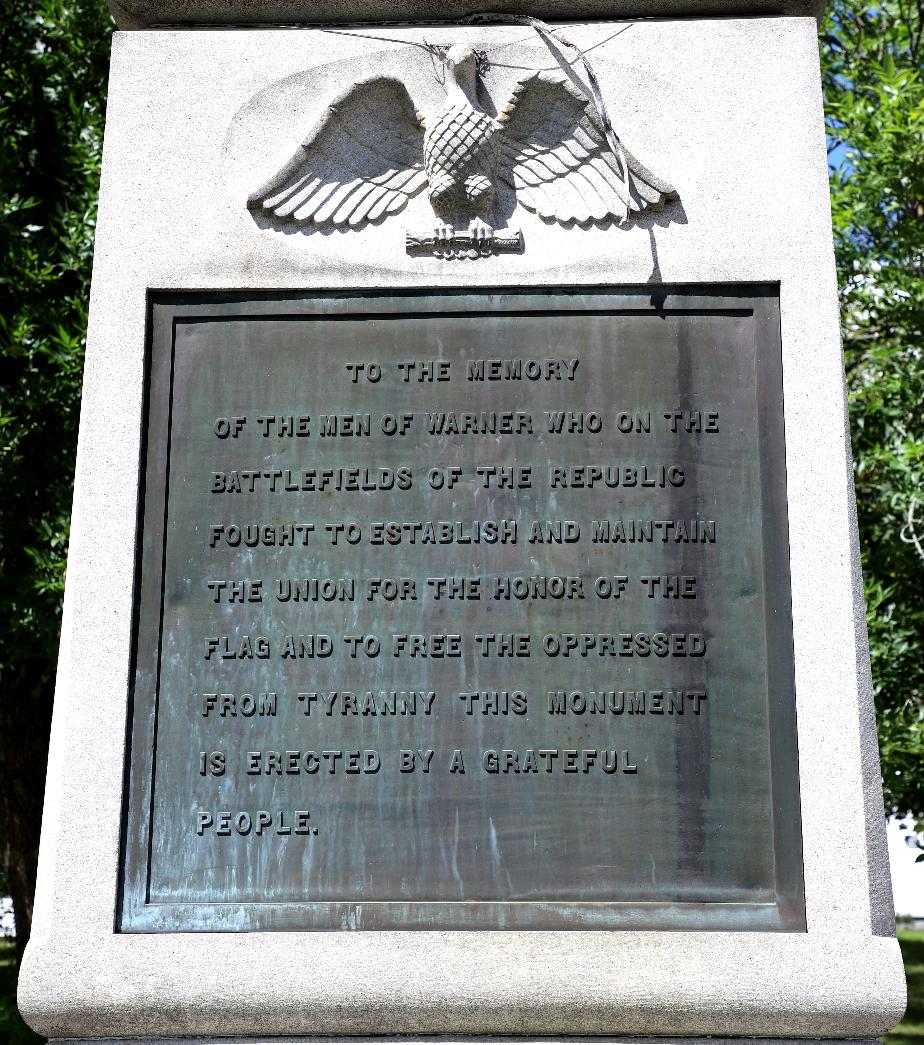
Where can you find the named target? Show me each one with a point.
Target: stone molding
(144, 14)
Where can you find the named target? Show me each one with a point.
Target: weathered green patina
(561, 518)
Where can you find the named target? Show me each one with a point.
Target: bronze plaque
(464, 610)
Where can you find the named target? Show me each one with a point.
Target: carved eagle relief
(373, 151)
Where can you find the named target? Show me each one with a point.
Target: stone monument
(463, 631)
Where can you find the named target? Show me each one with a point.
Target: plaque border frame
(135, 914)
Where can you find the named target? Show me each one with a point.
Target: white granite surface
(730, 112)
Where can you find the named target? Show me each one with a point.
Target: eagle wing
(554, 152)
(362, 161)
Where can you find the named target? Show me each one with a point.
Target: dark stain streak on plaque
(463, 610)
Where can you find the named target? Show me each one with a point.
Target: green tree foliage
(53, 69)
(874, 99)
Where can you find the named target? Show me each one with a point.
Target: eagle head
(462, 66)
(460, 55)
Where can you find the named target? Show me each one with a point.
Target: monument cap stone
(139, 14)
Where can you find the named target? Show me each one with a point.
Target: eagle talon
(482, 236)
(443, 236)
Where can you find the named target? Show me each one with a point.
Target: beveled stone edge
(243, 14)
